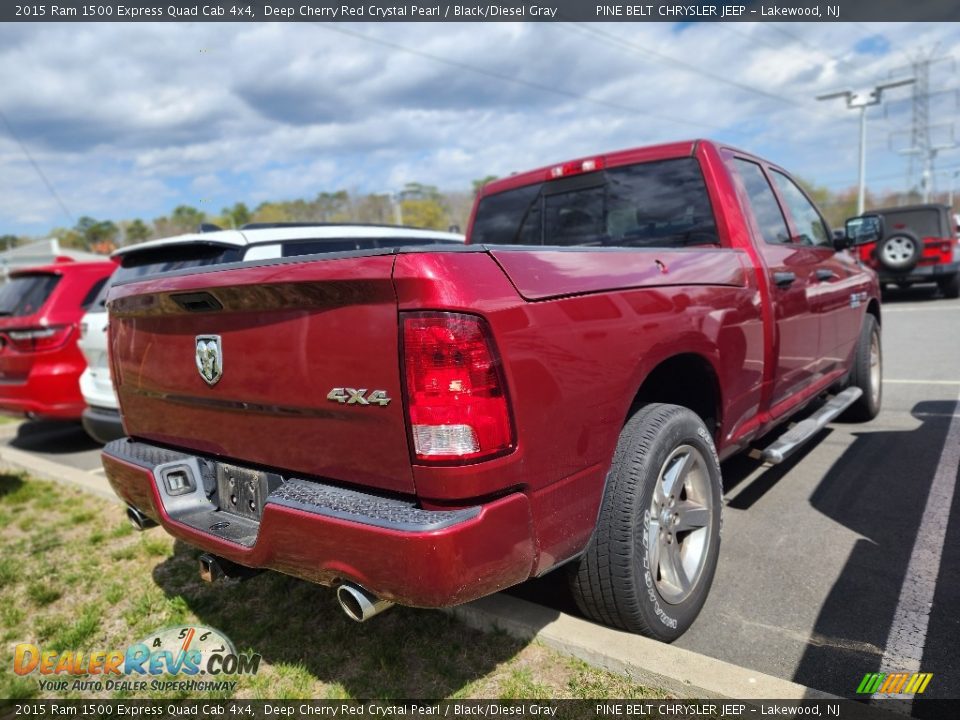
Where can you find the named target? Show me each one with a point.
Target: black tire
(867, 406)
(612, 582)
(950, 287)
(899, 252)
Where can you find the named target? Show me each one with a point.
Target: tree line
(416, 205)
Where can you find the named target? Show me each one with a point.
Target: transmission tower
(922, 150)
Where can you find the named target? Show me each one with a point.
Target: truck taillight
(39, 339)
(456, 394)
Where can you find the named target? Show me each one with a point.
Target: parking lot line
(949, 308)
(898, 381)
(911, 619)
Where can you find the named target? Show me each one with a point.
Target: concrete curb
(48, 470)
(679, 672)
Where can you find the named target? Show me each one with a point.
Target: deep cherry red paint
(578, 332)
(40, 363)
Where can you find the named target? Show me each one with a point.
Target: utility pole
(861, 100)
(394, 200)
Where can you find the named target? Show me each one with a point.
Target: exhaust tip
(138, 520)
(358, 604)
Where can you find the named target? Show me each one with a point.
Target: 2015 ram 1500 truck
(426, 426)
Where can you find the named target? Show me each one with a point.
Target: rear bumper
(102, 424)
(327, 534)
(920, 274)
(50, 390)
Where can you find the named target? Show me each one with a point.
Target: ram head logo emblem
(209, 358)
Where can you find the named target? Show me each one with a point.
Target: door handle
(784, 279)
(825, 275)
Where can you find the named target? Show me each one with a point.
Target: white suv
(255, 242)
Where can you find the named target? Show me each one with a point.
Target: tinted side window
(812, 229)
(766, 209)
(25, 294)
(655, 204)
(95, 294)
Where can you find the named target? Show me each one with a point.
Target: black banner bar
(478, 10)
(722, 709)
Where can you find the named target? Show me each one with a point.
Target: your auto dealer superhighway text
(409, 11)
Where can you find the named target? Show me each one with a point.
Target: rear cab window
(25, 294)
(661, 204)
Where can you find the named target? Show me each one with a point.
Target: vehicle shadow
(878, 488)
(298, 627)
(9, 483)
(50, 436)
(915, 293)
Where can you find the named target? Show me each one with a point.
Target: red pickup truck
(426, 426)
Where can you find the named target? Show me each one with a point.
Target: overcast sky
(130, 120)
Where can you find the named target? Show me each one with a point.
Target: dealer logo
(183, 651)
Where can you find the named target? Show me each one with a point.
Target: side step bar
(785, 445)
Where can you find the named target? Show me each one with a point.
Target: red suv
(919, 245)
(40, 363)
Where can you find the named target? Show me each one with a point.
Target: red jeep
(40, 363)
(919, 245)
(428, 425)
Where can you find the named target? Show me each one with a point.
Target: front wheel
(651, 560)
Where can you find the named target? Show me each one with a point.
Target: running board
(785, 445)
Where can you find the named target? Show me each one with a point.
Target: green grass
(75, 577)
(43, 593)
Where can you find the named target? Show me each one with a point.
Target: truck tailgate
(289, 333)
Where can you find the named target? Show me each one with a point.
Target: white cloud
(132, 119)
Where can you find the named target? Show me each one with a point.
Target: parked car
(101, 418)
(919, 245)
(426, 426)
(40, 363)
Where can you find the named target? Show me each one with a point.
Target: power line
(518, 81)
(804, 41)
(681, 64)
(36, 167)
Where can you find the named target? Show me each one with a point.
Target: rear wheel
(950, 287)
(867, 373)
(651, 560)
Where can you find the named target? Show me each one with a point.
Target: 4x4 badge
(209, 358)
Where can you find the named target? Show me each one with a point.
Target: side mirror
(861, 231)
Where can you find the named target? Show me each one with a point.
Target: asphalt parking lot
(843, 561)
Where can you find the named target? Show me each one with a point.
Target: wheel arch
(687, 379)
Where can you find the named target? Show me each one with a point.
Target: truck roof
(649, 153)
(251, 236)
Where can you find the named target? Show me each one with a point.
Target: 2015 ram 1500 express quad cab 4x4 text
(426, 426)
